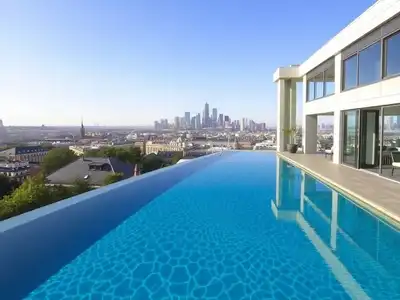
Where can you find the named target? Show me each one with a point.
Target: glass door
(350, 137)
(369, 139)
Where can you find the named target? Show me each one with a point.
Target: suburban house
(92, 169)
(355, 78)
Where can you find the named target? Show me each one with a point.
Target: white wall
(375, 15)
(385, 92)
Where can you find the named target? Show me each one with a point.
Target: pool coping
(369, 205)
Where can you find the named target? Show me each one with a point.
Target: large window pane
(329, 81)
(350, 139)
(350, 72)
(310, 90)
(369, 63)
(392, 55)
(319, 86)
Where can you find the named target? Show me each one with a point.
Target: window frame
(310, 80)
(315, 86)
(384, 55)
(379, 42)
(334, 81)
(344, 89)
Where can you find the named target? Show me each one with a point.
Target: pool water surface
(247, 226)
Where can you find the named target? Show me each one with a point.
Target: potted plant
(291, 133)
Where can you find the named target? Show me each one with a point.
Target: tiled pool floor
(248, 226)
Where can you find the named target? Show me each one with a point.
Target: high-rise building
(182, 123)
(221, 120)
(157, 126)
(227, 119)
(214, 115)
(176, 123)
(243, 124)
(193, 122)
(164, 124)
(206, 115)
(187, 119)
(198, 122)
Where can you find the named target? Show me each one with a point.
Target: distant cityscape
(209, 120)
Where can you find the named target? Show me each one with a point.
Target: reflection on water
(361, 250)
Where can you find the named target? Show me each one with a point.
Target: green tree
(112, 178)
(151, 163)
(7, 185)
(32, 194)
(79, 187)
(56, 159)
(176, 157)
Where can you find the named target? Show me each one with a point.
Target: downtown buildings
(197, 121)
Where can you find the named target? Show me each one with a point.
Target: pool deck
(378, 194)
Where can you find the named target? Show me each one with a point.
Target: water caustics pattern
(246, 227)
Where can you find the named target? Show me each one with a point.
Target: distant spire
(82, 129)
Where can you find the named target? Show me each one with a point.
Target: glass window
(310, 90)
(329, 81)
(319, 85)
(350, 138)
(369, 63)
(392, 57)
(350, 72)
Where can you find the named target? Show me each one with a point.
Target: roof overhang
(377, 14)
(290, 72)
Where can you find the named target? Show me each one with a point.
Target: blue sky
(130, 62)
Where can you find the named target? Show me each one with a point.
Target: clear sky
(130, 62)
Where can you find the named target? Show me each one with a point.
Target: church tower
(82, 129)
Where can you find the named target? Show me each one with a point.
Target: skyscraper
(187, 119)
(214, 115)
(176, 122)
(193, 122)
(243, 124)
(221, 120)
(206, 115)
(198, 122)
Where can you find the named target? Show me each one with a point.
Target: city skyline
(118, 64)
(206, 120)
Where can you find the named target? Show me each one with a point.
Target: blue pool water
(239, 226)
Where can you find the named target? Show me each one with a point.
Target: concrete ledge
(389, 210)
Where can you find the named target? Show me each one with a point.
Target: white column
(310, 126)
(282, 114)
(338, 73)
(337, 136)
(302, 191)
(334, 222)
(278, 183)
(292, 103)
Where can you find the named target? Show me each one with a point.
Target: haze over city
(132, 62)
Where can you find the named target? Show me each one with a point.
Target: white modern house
(355, 78)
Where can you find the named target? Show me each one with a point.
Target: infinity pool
(241, 225)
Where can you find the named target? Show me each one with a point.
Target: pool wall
(35, 245)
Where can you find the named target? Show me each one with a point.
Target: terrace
(231, 225)
(368, 189)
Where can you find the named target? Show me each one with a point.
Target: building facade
(31, 154)
(354, 78)
(17, 171)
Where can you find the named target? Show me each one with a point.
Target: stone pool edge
(392, 218)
